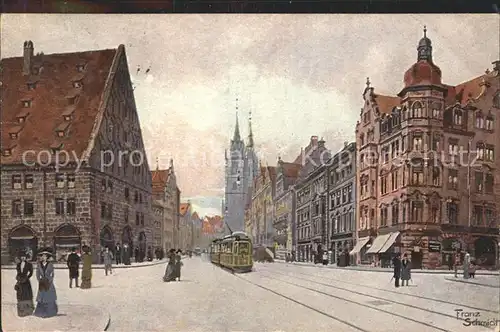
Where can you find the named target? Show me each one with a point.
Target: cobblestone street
(275, 297)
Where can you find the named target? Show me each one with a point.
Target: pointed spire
(368, 82)
(250, 133)
(237, 137)
(425, 31)
(157, 164)
(425, 48)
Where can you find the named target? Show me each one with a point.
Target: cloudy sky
(299, 75)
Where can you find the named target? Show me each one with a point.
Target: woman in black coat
(24, 292)
(396, 262)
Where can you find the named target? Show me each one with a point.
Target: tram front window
(243, 248)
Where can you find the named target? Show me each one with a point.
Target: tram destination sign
(434, 246)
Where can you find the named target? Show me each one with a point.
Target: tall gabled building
(241, 168)
(80, 108)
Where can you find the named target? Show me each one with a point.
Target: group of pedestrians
(402, 269)
(174, 265)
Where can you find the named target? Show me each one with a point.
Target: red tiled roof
(183, 208)
(49, 101)
(159, 180)
(462, 92)
(386, 103)
(291, 170)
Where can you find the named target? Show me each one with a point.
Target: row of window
(341, 196)
(26, 207)
(341, 175)
(29, 181)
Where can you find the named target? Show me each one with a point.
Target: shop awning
(362, 241)
(389, 242)
(378, 243)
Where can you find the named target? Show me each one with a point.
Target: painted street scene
(250, 173)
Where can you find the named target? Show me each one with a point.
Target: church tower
(235, 183)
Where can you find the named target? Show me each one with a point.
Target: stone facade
(341, 201)
(417, 192)
(262, 207)
(284, 207)
(311, 214)
(105, 201)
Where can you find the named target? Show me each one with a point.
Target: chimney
(28, 57)
(496, 65)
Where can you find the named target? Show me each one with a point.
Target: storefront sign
(434, 246)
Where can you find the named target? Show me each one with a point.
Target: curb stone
(377, 269)
(472, 282)
(59, 266)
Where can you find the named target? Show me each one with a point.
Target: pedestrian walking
(118, 254)
(178, 266)
(73, 263)
(108, 261)
(86, 268)
(136, 254)
(457, 262)
(396, 262)
(466, 265)
(47, 297)
(24, 292)
(325, 258)
(170, 270)
(405, 270)
(126, 254)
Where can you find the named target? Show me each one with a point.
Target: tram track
(364, 305)
(279, 294)
(461, 305)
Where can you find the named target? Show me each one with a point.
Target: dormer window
(13, 135)
(7, 152)
(73, 100)
(62, 129)
(21, 119)
(77, 84)
(80, 67)
(26, 103)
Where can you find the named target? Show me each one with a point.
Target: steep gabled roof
(386, 103)
(183, 208)
(49, 94)
(290, 170)
(464, 91)
(159, 180)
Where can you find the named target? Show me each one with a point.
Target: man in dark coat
(126, 254)
(118, 254)
(73, 266)
(396, 262)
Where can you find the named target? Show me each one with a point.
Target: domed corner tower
(423, 93)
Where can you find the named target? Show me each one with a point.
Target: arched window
(489, 122)
(417, 110)
(436, 110)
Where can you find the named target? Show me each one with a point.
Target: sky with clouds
(299, 75)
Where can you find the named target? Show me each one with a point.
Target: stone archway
(127, 237)
(106, 238)
(485, 251)
(22, 238)
(66, 237)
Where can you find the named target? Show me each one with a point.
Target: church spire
(237, 137)
(157, 164)
(250, 133)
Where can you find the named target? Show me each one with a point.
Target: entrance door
(22, 238)
(107, 238)
(66, 237)
(416, 259)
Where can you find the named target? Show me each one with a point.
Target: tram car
(233, 252)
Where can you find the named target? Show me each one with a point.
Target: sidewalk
(381, 269)
(61, 266)
(493, 283)
(70, 317)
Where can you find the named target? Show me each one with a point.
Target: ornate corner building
(80, 108)
(428, 174)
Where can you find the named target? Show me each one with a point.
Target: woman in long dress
(86, 268)
(24, 292)
(178, 266)
(170, 270)
(46, 298)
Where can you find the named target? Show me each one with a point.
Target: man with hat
(73, 263)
